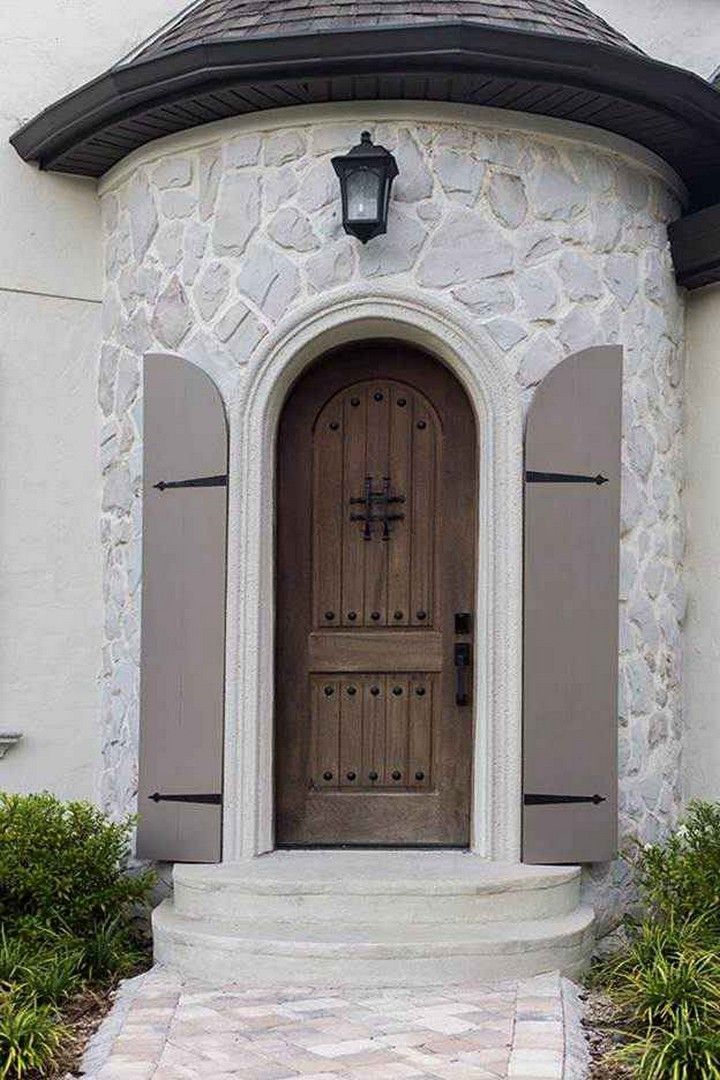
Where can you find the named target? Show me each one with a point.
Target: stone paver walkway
(162, 1029)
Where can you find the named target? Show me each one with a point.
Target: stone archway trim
(303, 335)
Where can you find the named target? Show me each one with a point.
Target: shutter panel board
(183, 613)
(572, 539)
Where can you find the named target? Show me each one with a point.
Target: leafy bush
(680, 879)
(109, 951)
(30, 1037)
(63, 865)
(665, 983)
(40, 972)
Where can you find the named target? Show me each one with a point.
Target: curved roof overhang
(668, 110)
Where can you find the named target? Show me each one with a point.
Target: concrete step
(306, 888)
(265, 953)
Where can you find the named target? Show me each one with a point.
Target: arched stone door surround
(254, 411)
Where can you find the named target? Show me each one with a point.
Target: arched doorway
(375, 585)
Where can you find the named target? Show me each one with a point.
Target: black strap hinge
(563, 478)
(198, 481)
(548, 800)
(210, 800)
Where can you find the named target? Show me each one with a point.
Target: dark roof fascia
(454, 47)
(695, 244)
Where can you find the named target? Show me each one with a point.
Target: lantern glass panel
(364, 189)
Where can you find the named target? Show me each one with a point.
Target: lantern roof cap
(220, 58)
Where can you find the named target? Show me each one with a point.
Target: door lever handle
(462, 656)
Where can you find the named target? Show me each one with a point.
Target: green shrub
(680, 878)
(665, 983)
(30, 1037)
(63, 865)
(109, 951)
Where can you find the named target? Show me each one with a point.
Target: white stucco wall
(702, 750)
(682, 32)
(50, 287)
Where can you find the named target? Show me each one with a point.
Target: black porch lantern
(366, 174)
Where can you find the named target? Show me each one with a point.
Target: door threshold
(372, 847)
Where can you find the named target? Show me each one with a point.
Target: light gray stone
(653, 578)
(143, 215)
(640, 449)
(136, 332)
(415, 180)
(117, 490)
(507, 198)
(658, 730)
(171, 318)
(632, 501)
(579, 330)
(540, 247)
(554, 193)
(169, 244)
(241, 330)
(506, 333)
(331, 267)
(628, 571)
(211, 356)
(608, 220)
(282, 146)
(109, 213)
(632, 187)
(540, 356)
(333, 137)
(212, 288)
(178, 203)
(291, 229)
(464, 249)
(127, 381)
(621, 275)
(173, 172)
(460, 175)
(269, 278)
(488, 298)
(243, 150)
(149, 277)
(539, 293)
(397, 250)
(579, 276)
(318, 188)
(109, 355)
(209, 172)
(640, 685)
(238, 213)
(195, 244)
(642, 613)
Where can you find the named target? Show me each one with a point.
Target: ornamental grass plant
(70, 923)
(665, 983)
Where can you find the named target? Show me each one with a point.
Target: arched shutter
(183, 613)
(572, 539)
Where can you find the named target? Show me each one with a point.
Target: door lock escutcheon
(462, 656)
(463, 622)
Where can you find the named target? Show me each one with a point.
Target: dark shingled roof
(230, 20)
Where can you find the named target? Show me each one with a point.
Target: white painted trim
(352, 314)
(419, 112)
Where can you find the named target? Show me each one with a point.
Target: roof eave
(130, 88)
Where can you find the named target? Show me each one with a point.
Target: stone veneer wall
(551, 244)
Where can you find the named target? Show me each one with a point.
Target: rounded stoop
(374, 888)
(266, 954)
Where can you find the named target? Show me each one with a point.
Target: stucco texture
(551, 245)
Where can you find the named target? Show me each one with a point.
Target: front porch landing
(372, 918)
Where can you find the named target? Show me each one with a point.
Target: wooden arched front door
(376, 499)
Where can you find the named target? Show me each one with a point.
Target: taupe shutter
(183, 613)
(572, 539)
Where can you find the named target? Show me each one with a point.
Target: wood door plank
(396, 731)
(388, 650)
(421, 707)
(354, 474)
(327, 515)
(326, 717)
(400, 473)
(351, 727)
(376, 466)
(423, 513)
